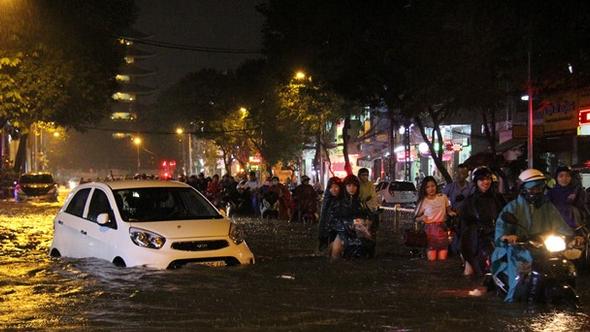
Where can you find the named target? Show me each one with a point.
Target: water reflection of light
(30, 296)
(560, 321)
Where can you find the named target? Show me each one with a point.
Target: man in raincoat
(535, 215)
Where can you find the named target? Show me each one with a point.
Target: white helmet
(531, 174)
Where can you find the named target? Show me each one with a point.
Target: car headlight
(554, 243)
(235, 233)
(146, 239)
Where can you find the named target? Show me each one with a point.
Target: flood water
(290, 288)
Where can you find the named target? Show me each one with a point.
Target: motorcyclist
(283, 195)
(535, 215)
(457, 191)
(332, 194)
(214, 190)
(305, 200)
(352, 229)
(478, 214)
(569, 198)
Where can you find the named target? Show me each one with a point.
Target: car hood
(178, 229)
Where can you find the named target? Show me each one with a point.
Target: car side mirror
(222, 212)
(103, 219)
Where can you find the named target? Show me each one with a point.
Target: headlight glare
(554, 243)
(146, 239)
(235, 233)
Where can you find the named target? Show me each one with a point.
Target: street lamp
(299, 75)
(180, 132)
(137, 142)
(243, 112)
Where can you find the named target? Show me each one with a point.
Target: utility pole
(530, 127)
(190, 153)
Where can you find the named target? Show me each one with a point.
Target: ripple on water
(395, 291)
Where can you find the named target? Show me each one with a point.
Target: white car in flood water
(159, 224)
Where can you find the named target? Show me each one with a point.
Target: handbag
(416, 236)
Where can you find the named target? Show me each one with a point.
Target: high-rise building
(127, 105)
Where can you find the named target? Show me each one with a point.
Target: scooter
(551, 277)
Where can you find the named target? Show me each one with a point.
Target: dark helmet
(562, 169)
(351, 179)
(305, 178)
(481, 172)
(334, 180)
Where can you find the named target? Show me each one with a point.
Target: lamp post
(180, 132)
(137, 143)
(530, 127)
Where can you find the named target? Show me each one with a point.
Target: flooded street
(291, 288)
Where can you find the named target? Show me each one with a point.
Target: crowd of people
(472, 212)
(465, 217)
(246, 195)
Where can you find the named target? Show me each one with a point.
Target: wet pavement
(291, 288)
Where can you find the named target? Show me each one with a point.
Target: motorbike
(580, 254)
(551, 278)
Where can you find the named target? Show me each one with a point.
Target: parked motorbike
(551, 277)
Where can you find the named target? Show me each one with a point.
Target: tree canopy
(431, 59)
(58, 59)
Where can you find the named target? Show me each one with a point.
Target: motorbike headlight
(146, 239)
(554, 243)
(235, 233)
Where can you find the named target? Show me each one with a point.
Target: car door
(69, 226)
(100, 238)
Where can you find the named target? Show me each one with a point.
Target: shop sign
(584, 117)
(584, 130)
(559, 116)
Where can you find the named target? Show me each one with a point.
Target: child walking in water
(433, 209)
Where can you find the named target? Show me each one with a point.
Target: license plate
(211, 263)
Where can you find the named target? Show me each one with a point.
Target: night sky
(212, 23)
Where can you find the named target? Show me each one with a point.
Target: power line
(194, 48)
(157, 132)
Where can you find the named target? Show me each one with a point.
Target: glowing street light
(243, 112)
(180, 132)
(300, 76)
(137, 142)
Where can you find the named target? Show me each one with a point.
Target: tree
(431, 59)
(58, 61)
(310, 107)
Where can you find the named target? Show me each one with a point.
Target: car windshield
(402, 186)
(161, 204)
(36, 178)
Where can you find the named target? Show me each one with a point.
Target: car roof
(133, 184)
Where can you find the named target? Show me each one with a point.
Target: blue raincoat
(536, 220)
